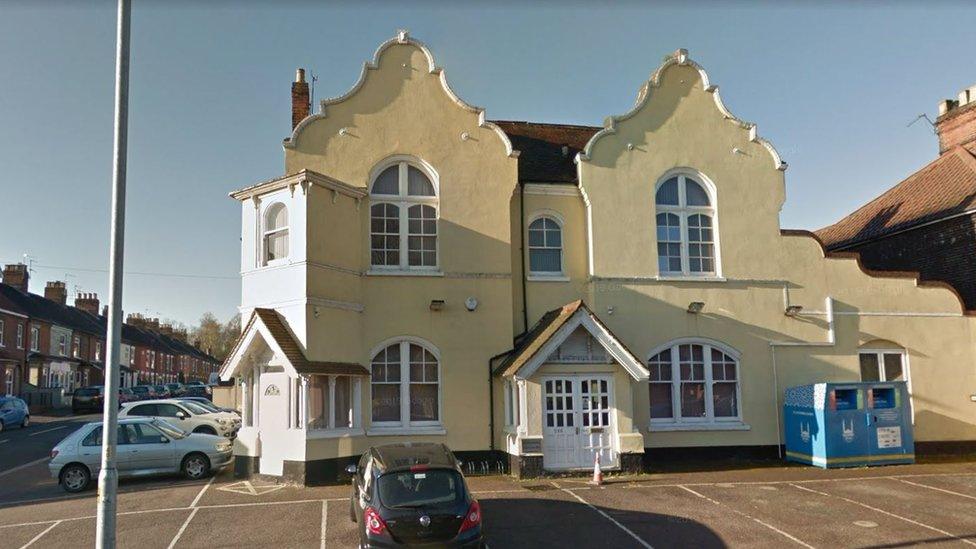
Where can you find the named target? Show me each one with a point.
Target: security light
(696, 307)
(793, 310)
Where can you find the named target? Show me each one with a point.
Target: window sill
(315, 434)
(399, 272)
(715, 426)
(547, 278)
(396, 431)
(690, 278)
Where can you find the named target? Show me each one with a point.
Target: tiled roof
(541, 156)
(293, 350)
(945, 187)
(530, 344)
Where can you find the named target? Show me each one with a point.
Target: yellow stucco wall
(402, 107)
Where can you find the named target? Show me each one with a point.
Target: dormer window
(685, 227)
(275, 241)
(403, 218)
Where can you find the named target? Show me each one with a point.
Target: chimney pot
(299, 75)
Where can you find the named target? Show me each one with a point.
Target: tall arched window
(545, 247)
(403, 218)
(275, 240)
(405, 385)
(685, 227)
(694, 382)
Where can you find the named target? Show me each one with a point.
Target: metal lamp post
(108, 477)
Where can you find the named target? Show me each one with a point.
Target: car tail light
(472, 519)
(54, 453)
(374, 524)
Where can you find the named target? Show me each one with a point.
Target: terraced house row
(47, 344)
(550, 294)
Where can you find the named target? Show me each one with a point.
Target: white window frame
(20, 335)
(62, 345)
(355, 406)
(709, 422)
(403, 201)
(683, 211)
(76, 347)
(265, 233)
(35, 342)
(3, 325)
(547, 276)
(405, 424)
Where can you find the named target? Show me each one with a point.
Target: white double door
(577, 421)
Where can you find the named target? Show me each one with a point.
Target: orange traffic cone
(597, 473)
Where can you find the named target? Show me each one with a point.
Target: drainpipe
(525, 298)
(831, 339)
(491, 401)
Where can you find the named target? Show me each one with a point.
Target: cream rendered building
(554, 293)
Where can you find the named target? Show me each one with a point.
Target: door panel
(560, 440)
(596, 432)
(273, 421)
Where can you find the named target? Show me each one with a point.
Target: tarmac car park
(714, 504)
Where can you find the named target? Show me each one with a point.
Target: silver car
(146, 446)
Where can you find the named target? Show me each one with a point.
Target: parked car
(176, 390)
(188, 416)
(145, 392)
(206, 403)
(126, 395)
(88, 399)
(162, 391)
(145, 446)
(413, 493)
(198, 389)
(13, 413)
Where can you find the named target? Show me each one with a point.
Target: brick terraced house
(547, 295)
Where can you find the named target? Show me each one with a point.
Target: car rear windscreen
(420, 488)
(86, 392)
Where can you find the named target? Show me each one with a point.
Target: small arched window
(545, 247)
(685, 228)
(403, 217)
(694, 382)
(275, 241)
(405, 383)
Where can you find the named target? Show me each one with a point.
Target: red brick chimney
(57, 292)
(300, 103)
(956, 124)
(16, 275)
(166, 329)
(87, 303)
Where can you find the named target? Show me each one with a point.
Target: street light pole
(108, 477)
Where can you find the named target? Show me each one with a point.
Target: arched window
(275, 233)
(694, 382)
(685, 228)
(405, 385)
(545, 247)
(403, 217)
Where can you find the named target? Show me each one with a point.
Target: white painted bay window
(332, 402)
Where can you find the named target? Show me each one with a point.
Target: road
(30, 448)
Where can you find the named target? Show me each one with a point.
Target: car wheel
(205, 430)
(26, 422)
(195, 466)
(75, 478)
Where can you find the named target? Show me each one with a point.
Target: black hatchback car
(87, 399)
(413, 494)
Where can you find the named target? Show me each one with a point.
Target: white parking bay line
(186, 523)
(39, 536)
(883, 512)
(325, 520)
(937, 489)
(606, 516)
(200, 493)
(28, 464)
(47, 430)
(752, 518)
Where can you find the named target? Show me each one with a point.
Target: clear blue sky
(833, 88)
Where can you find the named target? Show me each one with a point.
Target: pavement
(928, 504)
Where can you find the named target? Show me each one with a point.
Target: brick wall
(944, 251)
(958, 127)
